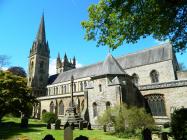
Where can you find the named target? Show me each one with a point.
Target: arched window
(81, 86)
(52, 107)
(61, 108)
(43, 111)
(108, 105)
(95, 113)
(82, 105)
(61, 89)
(135, 79)
(156, 104)
(100, 88)
(85, 84)
(64, 91)
(77, 104)
(154, 76)
(74, 86)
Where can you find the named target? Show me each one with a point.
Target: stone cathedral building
(148, 77)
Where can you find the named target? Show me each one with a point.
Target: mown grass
(10, 129)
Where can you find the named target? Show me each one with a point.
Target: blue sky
(19, 23)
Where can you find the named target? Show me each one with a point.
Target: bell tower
(39, 62)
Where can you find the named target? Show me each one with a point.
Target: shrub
(49, 117)
(179, 124)
(127, 121)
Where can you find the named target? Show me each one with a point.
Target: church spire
(41, 31)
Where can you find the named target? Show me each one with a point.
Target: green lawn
(10, 130)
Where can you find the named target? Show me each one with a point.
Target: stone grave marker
(68, 133)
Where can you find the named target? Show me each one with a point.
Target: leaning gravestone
(68, 133)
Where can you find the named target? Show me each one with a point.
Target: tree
(15, 96)
(4, 61)
(111, 22)
(179, 124)
(19, 71)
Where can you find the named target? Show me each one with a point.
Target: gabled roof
(152, 55)
(110, 67)
(116, 81)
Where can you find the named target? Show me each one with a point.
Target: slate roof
(148, 56)
(110, 66)
(52, 78)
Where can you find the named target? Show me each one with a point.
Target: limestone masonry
(150, 78)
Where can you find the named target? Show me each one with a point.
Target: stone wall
(175, 97)
(165, 70)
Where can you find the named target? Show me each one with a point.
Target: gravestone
(68, 133)
(104, 128)
(80, 125)
(146, 134)
(66, 125)
(24, 122)
(48, 125)
(72, 126)
(89, 126)
(163, 136)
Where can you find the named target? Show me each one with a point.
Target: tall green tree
(15, 96)
(19, 71)
(111, 22)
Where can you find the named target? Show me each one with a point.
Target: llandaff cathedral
(150, 77)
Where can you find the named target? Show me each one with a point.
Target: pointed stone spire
(65, 58)
(41, 31)
(58, 61)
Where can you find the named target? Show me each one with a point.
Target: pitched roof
(148, 56)
(110, 66)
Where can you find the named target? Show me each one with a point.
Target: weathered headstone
(80, 125)
(89, 126)
(48, 125)
(104, 128)
(66, 125)
(24, 122)
(57, 124)
(72, 126)
(146, 134)
(68, 133)
(163, 136)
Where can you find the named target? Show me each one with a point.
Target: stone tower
(39, 62)
(65, 65)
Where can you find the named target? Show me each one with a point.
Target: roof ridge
(146, 49)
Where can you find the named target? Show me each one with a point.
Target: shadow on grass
(10, 129)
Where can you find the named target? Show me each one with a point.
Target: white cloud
(161, 42)
(52, 66)
(78, 65)
(4, 68)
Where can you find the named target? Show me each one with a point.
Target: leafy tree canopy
(111, 22)
(15, 96)
(19, 71)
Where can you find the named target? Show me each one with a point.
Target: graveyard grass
(9, 129)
